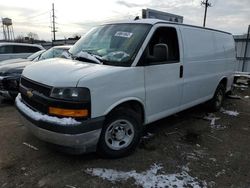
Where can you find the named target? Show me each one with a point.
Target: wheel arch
(222, 80)
(133, 103)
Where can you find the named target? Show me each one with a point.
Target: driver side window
(162, 48)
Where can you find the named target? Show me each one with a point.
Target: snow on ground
(149, 178)
(30, 146)
(148, 136)
(38, 116)
(212, 118)
(240, 86)
(229, 112)
(234, 96)
(246, 97)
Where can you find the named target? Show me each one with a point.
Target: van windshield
(114, 44)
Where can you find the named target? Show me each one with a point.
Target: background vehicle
(11, 50)
(19, 60)
(10, 73)
(121, 77)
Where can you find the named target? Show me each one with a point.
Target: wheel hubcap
(119, 134)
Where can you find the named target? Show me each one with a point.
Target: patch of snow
(228, 112)
(70, 186)
(186, 168)
(192, 156)
(200, 153)
(245, 128)
(43, 117)
(220, 173)
(149, 178)
(240, 86)
(218, 127)
(212, 118)
(234, 96)
(23, 168)
(3, 185)
(211, 184)
(212, 159)
(246, 97)
(30, 146)
(148, 136)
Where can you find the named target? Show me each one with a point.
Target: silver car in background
(11, 50)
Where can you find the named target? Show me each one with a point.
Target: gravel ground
(185, 144)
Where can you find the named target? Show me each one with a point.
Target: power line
(33, 16)
(207, 4)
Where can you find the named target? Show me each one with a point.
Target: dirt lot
(185, 145)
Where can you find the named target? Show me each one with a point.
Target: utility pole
(207, 4)
(53, 23)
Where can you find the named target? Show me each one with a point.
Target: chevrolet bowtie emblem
(29, 94)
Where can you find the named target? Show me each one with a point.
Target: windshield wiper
(86, 56)
(67, 55)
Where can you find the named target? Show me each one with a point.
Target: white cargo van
(121, 77)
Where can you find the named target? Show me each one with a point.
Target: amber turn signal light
(68, 112)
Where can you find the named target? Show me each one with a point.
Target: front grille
(43, 89)
(37, 106)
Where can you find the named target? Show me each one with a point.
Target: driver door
(163, 79)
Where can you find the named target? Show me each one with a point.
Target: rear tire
(216, 102)
(120, 134)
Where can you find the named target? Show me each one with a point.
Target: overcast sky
(77, 16)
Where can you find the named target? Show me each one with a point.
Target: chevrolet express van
(120, 77)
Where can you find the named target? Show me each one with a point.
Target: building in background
(242, 43)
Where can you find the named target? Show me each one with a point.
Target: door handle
(181, 71)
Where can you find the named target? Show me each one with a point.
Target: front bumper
(83, 135)
(9, 86)
(5, 94)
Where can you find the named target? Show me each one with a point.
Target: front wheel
(121, 134)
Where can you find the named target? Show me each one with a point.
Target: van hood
(62, 72)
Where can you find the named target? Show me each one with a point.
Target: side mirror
(160, 52)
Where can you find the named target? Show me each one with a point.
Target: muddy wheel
(121, 134)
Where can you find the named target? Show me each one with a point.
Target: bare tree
(32, 36)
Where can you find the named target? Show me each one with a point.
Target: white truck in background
(121, 77)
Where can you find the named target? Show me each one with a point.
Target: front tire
(121, 134)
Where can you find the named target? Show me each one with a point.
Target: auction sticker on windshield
(123, 34)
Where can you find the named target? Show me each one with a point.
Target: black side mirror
(160, 52)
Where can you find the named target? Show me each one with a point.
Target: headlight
(75, 94)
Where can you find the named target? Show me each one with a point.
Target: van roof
(157, 21)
